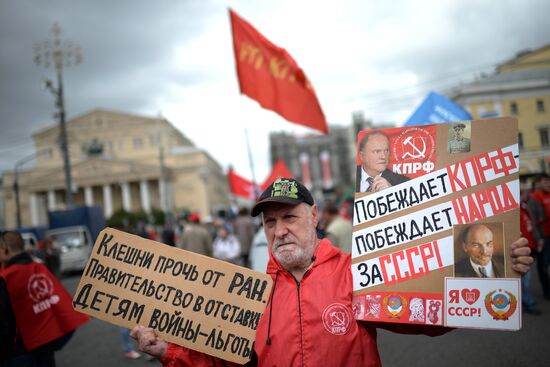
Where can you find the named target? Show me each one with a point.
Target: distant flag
(279, 170)
(244, 188)
(268, 74)
(437, 108)
(240, 186)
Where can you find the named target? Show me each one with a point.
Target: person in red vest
(37, 317)
(541, 194)
(528, 231)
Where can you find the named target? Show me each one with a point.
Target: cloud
(175, 57)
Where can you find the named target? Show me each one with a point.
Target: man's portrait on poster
(478, 250)
(458, 137)
(373, 174)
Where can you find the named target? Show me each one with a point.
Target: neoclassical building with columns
(118, 161)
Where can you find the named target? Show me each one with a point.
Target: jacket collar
(22, 258)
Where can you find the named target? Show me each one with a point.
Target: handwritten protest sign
(436, 209)
(192, 300)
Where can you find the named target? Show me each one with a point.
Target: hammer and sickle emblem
(420, 153)
(338, 318)
(40, 288)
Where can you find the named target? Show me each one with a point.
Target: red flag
(268, 74)
(240, 186)
(279, 170)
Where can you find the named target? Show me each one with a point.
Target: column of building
(107, 199)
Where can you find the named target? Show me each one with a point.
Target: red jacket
(544, 199)
(311, 323)
(526, 226)
(42, 307)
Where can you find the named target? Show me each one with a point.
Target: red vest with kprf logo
(526, 226)
(544, 199)
(42, 307)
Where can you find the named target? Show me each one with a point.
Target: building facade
(521, 88)
(118, 161)
(324, 163)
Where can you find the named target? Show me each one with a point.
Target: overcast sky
(175, 58)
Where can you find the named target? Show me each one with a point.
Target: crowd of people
(239, 238)
(304, 249)
(535, 227)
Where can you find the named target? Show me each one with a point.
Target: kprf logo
(337, 319)
(414, 151)
(40, 289)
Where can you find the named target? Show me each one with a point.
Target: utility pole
(59, 54)
(164, 199)
(251, 162)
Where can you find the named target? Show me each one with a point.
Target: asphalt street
(98, 344)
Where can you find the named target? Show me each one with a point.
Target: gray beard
(301, 257)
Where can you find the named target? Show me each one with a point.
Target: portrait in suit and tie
(373, 174)
(478, 250)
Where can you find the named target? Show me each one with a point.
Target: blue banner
(437, 108)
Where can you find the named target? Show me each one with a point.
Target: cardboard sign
(435, 204)
(192, 300)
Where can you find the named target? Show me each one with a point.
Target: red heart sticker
(470, 295)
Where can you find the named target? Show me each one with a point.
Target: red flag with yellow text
(268, 74)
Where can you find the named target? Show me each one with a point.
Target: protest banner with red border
(444, 207)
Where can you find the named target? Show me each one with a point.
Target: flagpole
(251, 161)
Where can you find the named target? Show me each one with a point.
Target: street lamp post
(17, 201)
(60, 54)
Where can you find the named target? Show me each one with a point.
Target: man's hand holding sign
(521, 256)
(149, 342)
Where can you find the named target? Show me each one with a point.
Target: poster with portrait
(436, 209)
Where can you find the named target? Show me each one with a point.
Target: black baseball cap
(283, 190)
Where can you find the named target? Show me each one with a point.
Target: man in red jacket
(527, 230)
(541, 194)
(36, 314)
(309, 319)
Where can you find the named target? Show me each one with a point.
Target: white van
(75, 244)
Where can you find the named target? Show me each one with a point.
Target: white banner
(467, 173)
(404, 265)
(466, 209)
